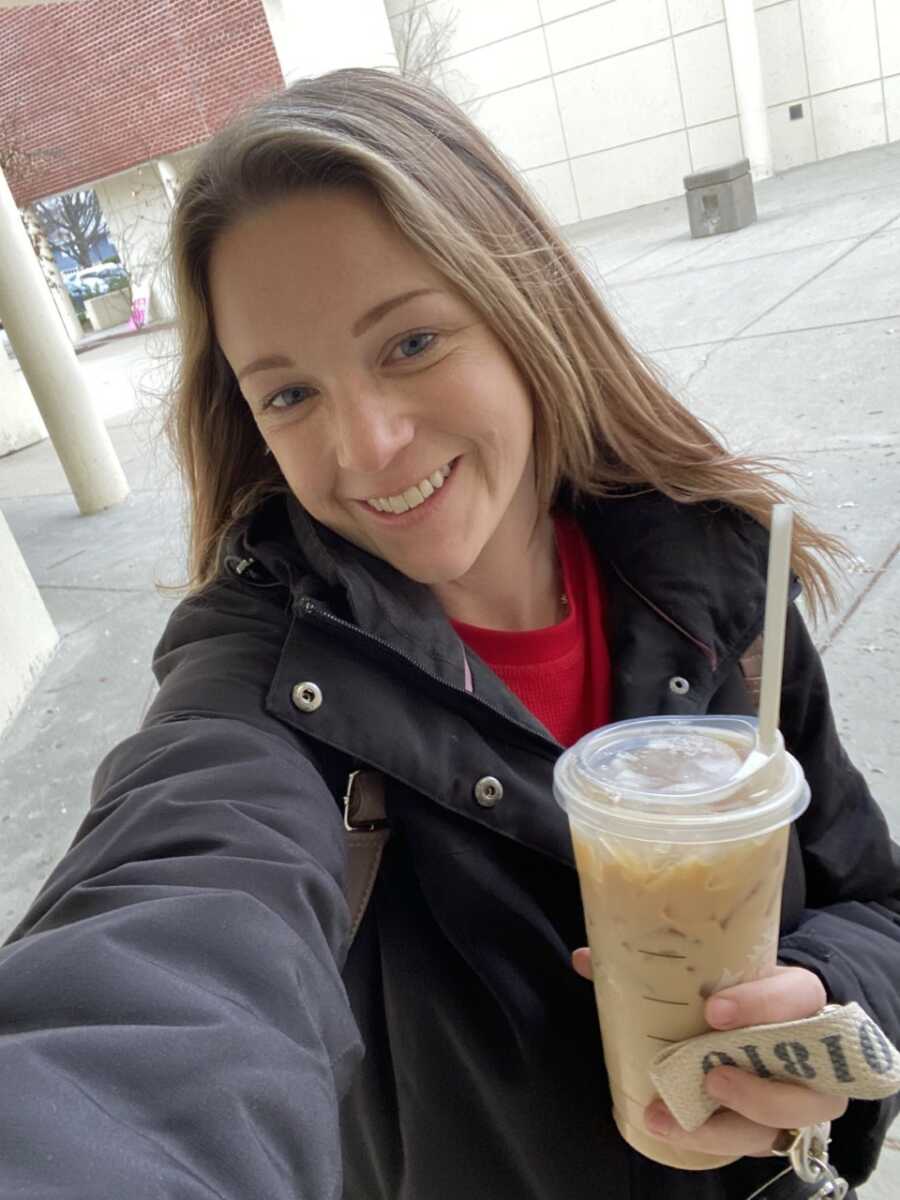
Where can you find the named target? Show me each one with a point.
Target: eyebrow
(269, 361)
(381, 310)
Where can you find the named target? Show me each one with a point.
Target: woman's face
(397, 417)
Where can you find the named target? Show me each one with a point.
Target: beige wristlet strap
(840, 1051)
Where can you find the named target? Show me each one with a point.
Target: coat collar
(700, 567)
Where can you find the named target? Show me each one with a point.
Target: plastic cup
(680, 829)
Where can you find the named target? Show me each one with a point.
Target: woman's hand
(753, 1110)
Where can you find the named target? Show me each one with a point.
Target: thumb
(581, 961)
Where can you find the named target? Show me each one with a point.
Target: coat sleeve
(849, 932)
(172, 1017)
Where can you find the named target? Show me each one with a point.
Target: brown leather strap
(365, 821)
(751, 665)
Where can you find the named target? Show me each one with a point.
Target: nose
(370, 430)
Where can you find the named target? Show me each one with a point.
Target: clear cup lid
(680, 779)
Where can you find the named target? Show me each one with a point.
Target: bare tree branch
(422, 40)
(73, 223)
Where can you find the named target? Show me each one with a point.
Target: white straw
(776, 617)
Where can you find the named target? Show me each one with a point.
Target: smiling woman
(376, 400)
(328, 205)
(444, 521)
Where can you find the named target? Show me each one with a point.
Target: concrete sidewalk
(785, 335)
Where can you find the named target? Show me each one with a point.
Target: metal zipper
(323, 617)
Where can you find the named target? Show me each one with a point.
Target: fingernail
(722, 1012)
(658, 1120)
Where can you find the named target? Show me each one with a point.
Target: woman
(444, 522)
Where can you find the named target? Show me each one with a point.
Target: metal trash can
(720, 200)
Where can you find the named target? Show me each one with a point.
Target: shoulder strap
(751, 665)
(367, 832)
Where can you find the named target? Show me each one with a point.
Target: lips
(404, 513)
(413, 496)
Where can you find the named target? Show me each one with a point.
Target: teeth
(413, 496)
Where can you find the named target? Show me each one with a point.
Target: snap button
(488, 791)
(679, 685)
(306, 696)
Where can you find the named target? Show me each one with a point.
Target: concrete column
(28, 637)
(49, 365)
(20, 421)
(58, 293)
(740, 21)
(356, 34)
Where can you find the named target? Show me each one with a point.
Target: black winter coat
(179, 1017)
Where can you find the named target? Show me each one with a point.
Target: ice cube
(686, 762)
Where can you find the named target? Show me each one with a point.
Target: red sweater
(561, 673)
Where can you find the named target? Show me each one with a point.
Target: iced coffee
(680, 830)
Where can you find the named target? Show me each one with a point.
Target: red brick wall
(97, 86)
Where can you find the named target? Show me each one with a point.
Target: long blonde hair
(605, 422)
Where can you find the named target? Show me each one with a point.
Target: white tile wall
(620, 100)
(504, 64)
(841, 48)
(691, 14)
(556, 191)
(892, 104)
(888, 15)
(632, 175)
(704, 66)
(524, 122)
(459, 87)
(606, 30)
(849, 119)
(477, 22)
(554, 9)
(716, 144)
(792, 142)
(781, 52)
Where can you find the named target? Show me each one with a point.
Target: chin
(435, 574)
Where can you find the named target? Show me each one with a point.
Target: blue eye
(291, 397)
(424, 340)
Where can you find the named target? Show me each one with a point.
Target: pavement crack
(739, 334)
(877, 574)
(84, 587)
(717, 343)
(68, 558)
(818, 275)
